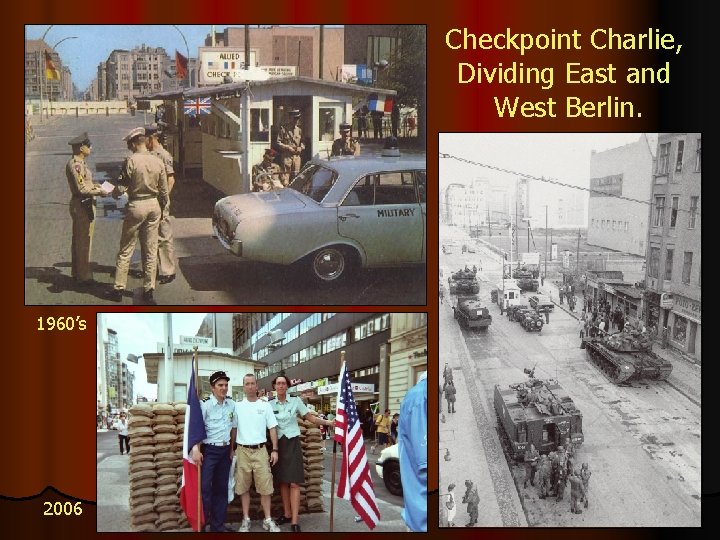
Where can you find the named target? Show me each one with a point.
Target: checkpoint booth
(217, 133)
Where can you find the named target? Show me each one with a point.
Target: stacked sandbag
(168, 457)
(141, 470)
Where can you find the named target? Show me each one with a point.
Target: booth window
(259, 125)
(327, 120)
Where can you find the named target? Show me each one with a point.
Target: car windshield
(314, 181)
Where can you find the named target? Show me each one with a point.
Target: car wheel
(331, 264)
(391, 477)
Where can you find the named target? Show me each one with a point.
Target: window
(613, 225)
(678, 162)
(679, 329)
(381, 48)
(626, 226)
(663, 160)
(698, 155)
(328, 121)
(259, 125)
(654, 262)
(687, 267)
(669, 264)
(385, 188)
(693, 212)
(674, 212)
(659, 212)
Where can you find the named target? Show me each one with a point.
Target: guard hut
(221, 131)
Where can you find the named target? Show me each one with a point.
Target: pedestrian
(377, 120)
(254, 418)
(442, 294)
(561, 292)
(266, 175)
(122, 428)
(450, 396)
(472, 499)
(585, 477)
(394, 428)
(345, 145)
(395, 119)
(547, 315)
(144, 180)
(218, 413)
(290, 142)
(665, 332)
(451, 506)
(362, 116)
(289, 472)
(82, 208)
(413, 455)
(621, 322)
(581, 326)
(576, 493)
(382, 425)
(531, 464)
(166, 248)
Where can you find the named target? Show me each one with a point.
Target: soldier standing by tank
(531, 463)
(82, 207)
(290, 142)
(544, 476)
(576, 492)
(450, 396)
(345, 145)
(166, 248)
(585, 477)
(554, 468)
(144, 179)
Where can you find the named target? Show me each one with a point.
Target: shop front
(627, 298)
(685, 325)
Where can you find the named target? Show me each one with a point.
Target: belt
(143, 197)
(218, 443)
(253, 446)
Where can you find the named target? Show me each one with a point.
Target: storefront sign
(195, 340)
(607, 185)
(666, 301)
(312, 384)
(356, 387)
(687, 308)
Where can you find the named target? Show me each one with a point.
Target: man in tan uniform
(144, 180)
(345, 145)
(290, 142)
(166, 248)
(266, 174)
(82, 207)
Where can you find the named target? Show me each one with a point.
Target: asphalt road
(642, 441)
(207, 274)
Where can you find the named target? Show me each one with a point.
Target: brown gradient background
(48, 396)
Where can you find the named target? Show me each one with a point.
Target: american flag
(197, 106)
(355, 482)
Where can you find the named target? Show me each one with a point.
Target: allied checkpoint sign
(217, 63)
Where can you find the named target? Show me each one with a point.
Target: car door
(385, 213)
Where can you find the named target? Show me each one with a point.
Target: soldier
(570, 452)
(561, 483)
(561, 292)
(576, 492)
(144, 179)
(166, 249)
(472, 499)
(82, 207)
(553, 459)
(450, 396)
(266, 174)
(345, 145)
(290, 142)
(531, 464)
(544, 476)
(585, 477)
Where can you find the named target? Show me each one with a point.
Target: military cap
(451, 487)
(134, 132)
(344, 127)
(270, 152)
(80, 140)
(295, 113)
(215, 377)
(468, 483)
(152, 129)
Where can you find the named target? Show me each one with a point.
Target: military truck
(517, 312)
(463, 282)
(470, 312)
(532, 321)
(538, 412)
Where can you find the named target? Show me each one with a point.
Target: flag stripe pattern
(355, 482)
(194, 434)
(51, 72)
(181, 66)
(379, 102)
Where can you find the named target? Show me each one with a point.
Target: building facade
(673, 270)
(626, 171)
(37, 85)
(408, 355)
(120, 381)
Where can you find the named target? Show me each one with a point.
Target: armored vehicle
(463, 282)
(518, 311)
(532, 321)
(626, 356)
(471, 313)
(526, 280)
(538, 412)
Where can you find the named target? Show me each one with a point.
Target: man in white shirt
(122, 428)
(254, 417)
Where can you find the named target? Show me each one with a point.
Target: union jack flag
(355, 482)
(197, 106)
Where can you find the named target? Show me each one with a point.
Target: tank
(463, 282)
(538, 412)
(526, 280)
(626, 356)
(471, 313)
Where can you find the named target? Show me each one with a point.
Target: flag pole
(199, 468)
(334, 459)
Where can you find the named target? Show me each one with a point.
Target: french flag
(190, 498)
(379, 102)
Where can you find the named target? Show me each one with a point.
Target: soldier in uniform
(266, 174)
(450, 396)
(531, 464)
(290, 142)
(554, 471)
(218, 412)
(345, 145)
(144, 180)
(544, 477)
(576, 492)
(585, 477)
(82, 207)
(562, 473)
(472, 499)
(166, 249)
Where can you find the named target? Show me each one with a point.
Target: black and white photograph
(570, 330)
(285, 166)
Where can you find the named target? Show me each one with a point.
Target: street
(206, 273)
(113, 512)
(642, 440)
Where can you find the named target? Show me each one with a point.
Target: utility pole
(546, 250)
(488, 220)
(577, 256)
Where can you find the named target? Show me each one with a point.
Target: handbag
(87, 204)
(449, 504)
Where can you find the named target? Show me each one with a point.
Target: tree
(406, 72)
